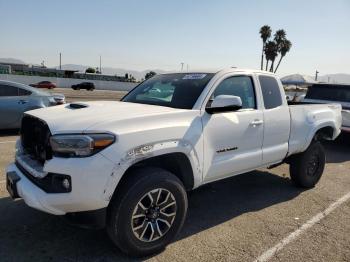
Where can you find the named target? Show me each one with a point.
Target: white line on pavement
(272, 251)
(5, 142)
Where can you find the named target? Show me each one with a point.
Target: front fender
(147, 151)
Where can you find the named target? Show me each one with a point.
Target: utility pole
(60, 61)
(316, 75)
(100, 66)
(187, 67)
(182, 66)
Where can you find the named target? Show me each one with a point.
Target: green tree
(150, 74)
(280, 45)
(265, 34)
(90, 70)
(285, 47)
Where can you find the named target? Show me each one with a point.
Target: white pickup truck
(127, 165)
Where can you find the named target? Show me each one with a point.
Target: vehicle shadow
(27, 233)
(338, 151)
(221, 201)
(31, 235)
(9, 132)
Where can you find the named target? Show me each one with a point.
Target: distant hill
(112, 71)
(11, 60)
(336, 78)
(331, 78)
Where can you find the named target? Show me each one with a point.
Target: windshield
(339, 93)
(178, 90)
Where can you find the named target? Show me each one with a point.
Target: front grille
(35, 135)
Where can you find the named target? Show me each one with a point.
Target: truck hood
(98, 115)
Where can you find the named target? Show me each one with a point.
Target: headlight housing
(80, 145)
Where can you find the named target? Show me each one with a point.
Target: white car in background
(332, 93)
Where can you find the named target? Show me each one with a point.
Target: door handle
(256, 122)
(22, 101)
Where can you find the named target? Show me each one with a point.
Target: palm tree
(279, 37)
(265, 33)
(284, 49)
(271, 52)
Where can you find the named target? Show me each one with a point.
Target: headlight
(80, 145)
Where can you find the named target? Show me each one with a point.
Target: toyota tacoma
(128, 165)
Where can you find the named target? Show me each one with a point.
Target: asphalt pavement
(237, 219)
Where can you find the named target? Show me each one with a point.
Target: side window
(6, 90)
(241, 86)
(23, 92)
(271, 92)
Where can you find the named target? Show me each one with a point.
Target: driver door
(233, 140)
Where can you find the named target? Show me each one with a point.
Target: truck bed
(305, 118)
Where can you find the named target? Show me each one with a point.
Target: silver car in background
(16, 98)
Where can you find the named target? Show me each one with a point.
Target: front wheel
(147, 212)
(307, 168)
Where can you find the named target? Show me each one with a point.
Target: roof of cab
(223, 70)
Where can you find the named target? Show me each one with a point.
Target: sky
(161, 34)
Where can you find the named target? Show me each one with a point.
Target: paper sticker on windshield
(194, 76)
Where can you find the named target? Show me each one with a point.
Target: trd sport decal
(226, 149)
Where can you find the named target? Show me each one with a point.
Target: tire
(125, 231)
(307, 168)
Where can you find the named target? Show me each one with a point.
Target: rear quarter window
(23, 92)
(271, 92)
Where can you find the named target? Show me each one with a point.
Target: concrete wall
(68, 82)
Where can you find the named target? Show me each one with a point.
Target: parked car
(332, 93)
(59, 98)
(128, 164)
(17, 98)
(84, 85)
(44, 84)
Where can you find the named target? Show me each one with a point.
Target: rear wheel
(307, 168)
(147, 212)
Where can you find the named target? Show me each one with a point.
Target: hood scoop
(77, 105)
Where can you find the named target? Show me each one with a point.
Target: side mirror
(224, 103)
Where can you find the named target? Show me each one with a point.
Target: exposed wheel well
(176, 163)
(325, 133)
